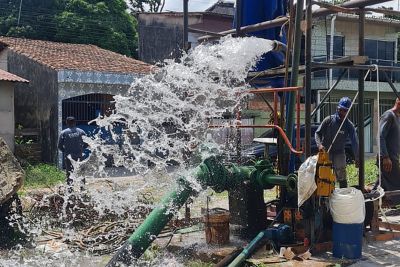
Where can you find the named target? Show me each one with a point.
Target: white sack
(306, 180)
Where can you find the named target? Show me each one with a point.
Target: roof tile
(9, 77)
(82, 57)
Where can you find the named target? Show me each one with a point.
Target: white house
(381, 38)
(7, 121)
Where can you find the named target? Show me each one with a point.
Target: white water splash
(166, 115)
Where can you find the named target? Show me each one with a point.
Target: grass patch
(42, 175)
(371, 172)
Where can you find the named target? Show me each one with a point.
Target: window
(338, 51)
(383, 50)
(338, 46)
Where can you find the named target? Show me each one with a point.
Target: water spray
(211, 173)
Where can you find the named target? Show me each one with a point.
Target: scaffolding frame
(359, 7)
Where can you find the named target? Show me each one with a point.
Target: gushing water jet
(211, 173)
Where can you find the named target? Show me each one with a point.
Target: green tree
(29, 21)
(137, 6)
(106, 24)
(103, 23)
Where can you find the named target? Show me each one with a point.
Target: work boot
(343, 184)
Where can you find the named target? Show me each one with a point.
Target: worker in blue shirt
(326, 132)
(389, 135)
(71, 144)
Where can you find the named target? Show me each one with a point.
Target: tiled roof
(82, 57)
(370, 18)
(9, 77)
(223, 8)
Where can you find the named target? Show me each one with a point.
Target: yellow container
(325, 176)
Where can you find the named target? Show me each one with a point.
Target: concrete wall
(72, 89)
(349, 29)
(3, 59)
(161, 36)
(7, 112)
(36, 102)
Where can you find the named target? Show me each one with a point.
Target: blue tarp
(256, 11)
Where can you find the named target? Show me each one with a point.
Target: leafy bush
(43, 175)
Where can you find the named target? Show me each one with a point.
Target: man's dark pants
(70, 168)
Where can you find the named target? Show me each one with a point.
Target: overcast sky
(201, 5)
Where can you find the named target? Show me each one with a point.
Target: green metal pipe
(248, 250)
(211, 173)
(277, 235)
(147, 232)
(268, 181)
(293, 78)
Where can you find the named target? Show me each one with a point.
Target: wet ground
(194, 245)
(190, 243)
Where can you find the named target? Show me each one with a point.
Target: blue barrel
(347, 240)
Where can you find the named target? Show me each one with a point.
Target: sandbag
(11, 174)
(347, 205)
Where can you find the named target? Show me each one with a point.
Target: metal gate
(86, 108)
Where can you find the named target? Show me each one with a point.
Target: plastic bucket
(347, 240)
(217, 228)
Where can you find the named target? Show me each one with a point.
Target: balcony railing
(353, 74)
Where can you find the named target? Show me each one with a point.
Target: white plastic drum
(347, 205)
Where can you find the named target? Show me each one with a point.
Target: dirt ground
(193, 244)
(374, 253)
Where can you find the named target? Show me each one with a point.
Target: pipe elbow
(279, 47)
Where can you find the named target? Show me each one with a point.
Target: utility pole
(361, 73)
(308, 77)
(238, 17)
(19, 13)
(185, 25)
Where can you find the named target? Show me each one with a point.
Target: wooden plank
(27, 132)
(375, 218)
(335, 8)
(280, 71)
(392, 193)
(390, 226)
(349, 60)
(276, 72)
(383, 236)
(274, 90)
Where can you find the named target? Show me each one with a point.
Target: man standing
(389, 137)
(325, 135)
(71, 144)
